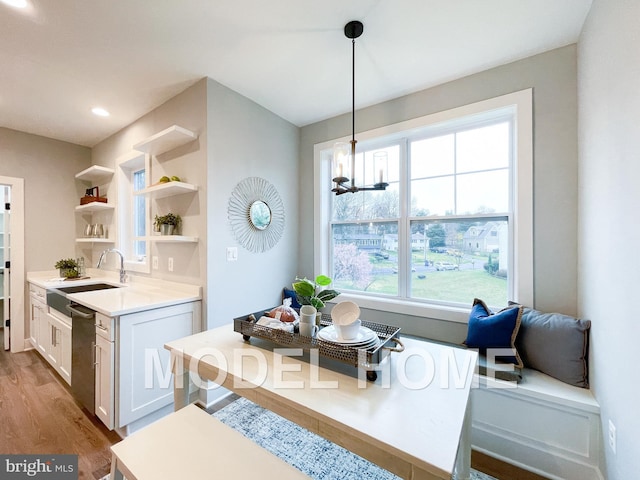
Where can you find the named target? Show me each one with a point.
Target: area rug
(318, 458)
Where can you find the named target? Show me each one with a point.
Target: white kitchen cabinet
(49, 334)
(104, 365)
(58, 346)
(143, 370)
(38, 311)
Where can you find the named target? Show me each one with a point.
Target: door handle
(95, 361)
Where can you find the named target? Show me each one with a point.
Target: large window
(454, 223)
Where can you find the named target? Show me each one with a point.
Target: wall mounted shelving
(95, 207)
(167, 189)
(95, 174)
(93, 240)
(168, 139)
(172, 239)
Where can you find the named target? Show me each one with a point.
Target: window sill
(437, 312)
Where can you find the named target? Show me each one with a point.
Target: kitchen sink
(86, 288)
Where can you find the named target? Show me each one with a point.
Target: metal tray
(365, 358)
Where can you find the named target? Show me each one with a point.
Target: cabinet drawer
(38, 292)
(104, 326)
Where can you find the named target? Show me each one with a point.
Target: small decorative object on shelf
(314, 293)
(68, 268)
(168, 224)
(89, 196)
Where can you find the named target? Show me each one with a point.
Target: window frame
(521, 223)
(128, 164)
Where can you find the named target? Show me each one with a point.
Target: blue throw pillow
(288, 293)
(494, 330)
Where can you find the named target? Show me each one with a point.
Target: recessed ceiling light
(101, 112)
(16, 3)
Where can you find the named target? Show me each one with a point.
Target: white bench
(543, 425)
(192, 444)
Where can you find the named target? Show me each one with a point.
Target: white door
(4, 258)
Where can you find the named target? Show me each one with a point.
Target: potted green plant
(314, 292)
(167, 224)
(68, 267)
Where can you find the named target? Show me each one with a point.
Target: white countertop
(135, 296)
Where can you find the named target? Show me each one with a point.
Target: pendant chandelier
(344, 155)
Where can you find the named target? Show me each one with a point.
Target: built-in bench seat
(191, 444)
(540, 424)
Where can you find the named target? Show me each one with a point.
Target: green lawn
(450, 286)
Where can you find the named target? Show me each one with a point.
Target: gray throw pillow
(555, 344)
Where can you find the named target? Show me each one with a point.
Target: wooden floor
(38, 415)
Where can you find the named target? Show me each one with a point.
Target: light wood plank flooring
(38, 415)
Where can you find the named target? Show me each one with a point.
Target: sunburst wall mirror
(256, 214)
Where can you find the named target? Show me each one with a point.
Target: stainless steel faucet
(123, 274)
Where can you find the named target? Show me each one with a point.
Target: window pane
(486, 192)
(432, 197)
(367, 205)
(365, 257)
(483, 148)
(432, 157)
(139, 216)
(462, 261)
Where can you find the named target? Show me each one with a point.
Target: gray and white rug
(311, 454)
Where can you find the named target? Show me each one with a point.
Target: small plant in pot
(68, 267)
(168, 224)
(314, 292)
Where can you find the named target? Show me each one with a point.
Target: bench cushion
(555, 344)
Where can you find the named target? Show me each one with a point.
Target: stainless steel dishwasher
(83, 341)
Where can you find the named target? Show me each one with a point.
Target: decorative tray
(365, 358)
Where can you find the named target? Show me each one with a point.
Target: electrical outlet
(232, 254)
(154, 262)
(170, 264)
(612, 436)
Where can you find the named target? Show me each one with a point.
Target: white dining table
(413, 420)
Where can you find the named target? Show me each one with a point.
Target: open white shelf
(167, 189)
(95, 174)
(93, 240)
(172, 239)
(166, 140)
(94, 207)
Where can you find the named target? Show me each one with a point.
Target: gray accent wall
(247, 140)
(51, 192)
(609, 233)
(552, 75)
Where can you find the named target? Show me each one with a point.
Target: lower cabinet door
(104, 381)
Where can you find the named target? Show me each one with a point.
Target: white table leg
(462, 470)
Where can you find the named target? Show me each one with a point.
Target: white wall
(609, 196)
(552, 75)
(246, 140)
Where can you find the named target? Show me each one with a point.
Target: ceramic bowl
(345, 313)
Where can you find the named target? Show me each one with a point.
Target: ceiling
(58, 59)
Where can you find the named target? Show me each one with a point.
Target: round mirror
(259, 214)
